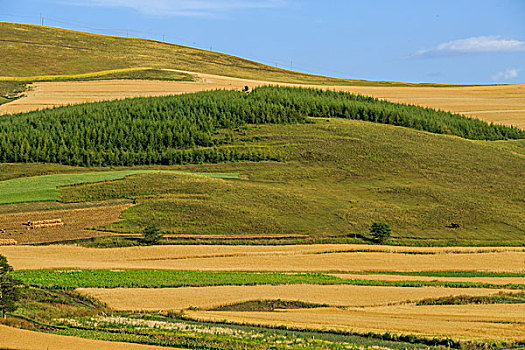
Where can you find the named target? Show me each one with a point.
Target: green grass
(45, 187)
(62, 52)
(342, 176)
(499, 298)
(165, 278)
(267, 305)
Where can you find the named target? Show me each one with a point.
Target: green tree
(380, 231)
(9, 292)
(151, 235)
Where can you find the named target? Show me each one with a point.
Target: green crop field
(45, 188)
(166, 279)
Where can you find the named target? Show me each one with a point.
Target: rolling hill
(320, 164)
(66, 52)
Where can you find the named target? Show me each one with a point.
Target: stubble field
(270, 258)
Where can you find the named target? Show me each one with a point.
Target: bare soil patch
(209, 297)
(76, 224)
(457, 321)
(502, 104)
(14, 338)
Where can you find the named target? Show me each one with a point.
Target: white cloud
(474, 45)
(508, 74)
(182, 7)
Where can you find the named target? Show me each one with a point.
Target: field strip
(73, 76)
(382, 277)
(459, 322)
(76, 223)
(484, 100)
(261, 258)
(14, 338)
(44, 188)
(123, 278)
(208, 297)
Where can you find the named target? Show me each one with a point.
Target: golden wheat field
(502, 104)
(268, 258)
(209, 297)
(456, 321)
(15, 338)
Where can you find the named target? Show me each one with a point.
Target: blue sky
(416, 41)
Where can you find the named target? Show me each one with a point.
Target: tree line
(195, 128)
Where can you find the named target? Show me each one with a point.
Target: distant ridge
(32, 50)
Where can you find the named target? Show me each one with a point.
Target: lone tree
(380, 231)
(9, 292)
(151, 235)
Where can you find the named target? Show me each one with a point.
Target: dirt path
(502, 104)
(14, 338)
(330, 257)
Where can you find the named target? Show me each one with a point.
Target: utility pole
(41, 19)
(163, 37)
(291, 64)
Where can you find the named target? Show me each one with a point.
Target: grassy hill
(66, 52)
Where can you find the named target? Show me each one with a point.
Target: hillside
(319, 179)
(64, 52)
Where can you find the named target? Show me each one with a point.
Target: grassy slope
(68, 52)
(342, 175)
(44, 188)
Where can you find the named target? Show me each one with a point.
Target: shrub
(380, 231)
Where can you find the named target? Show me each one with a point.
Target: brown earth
(209, 297)
(14, 338)
(270, 258)
(481, 322)
(381, 277)
(502, 104)
(76, 224)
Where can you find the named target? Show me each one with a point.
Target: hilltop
(66, 52)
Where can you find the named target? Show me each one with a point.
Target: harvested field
(267, 258)
(380, 277)
(76, 224)
(14, 338)
(503, 104)
(209, 297)
(457, 321)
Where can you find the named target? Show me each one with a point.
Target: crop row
(166, 278)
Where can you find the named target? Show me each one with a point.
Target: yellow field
(14, 338)
(456, 321)
(268, 258)
(72, 76)
(503, 104)
(209, 297)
